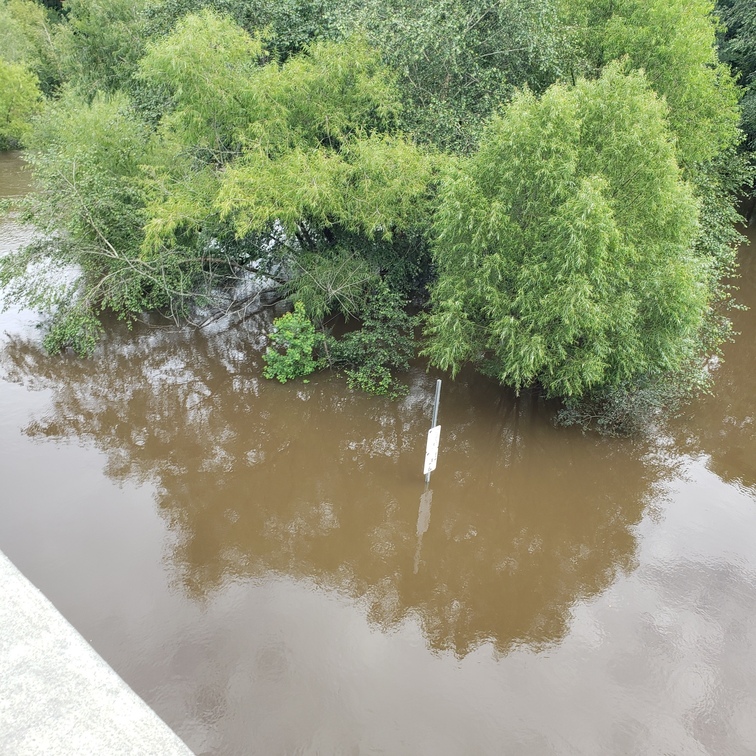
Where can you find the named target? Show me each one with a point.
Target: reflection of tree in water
(723, 426)
(318, 483)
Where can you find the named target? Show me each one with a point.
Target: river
(262, 564)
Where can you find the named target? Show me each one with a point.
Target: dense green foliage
(300, 159)
(294, 170)
(553, 180)
(568, 261)
(26, 66)
(90, 211)
(673, 41)
(738, 48)
(100, 43)
(372, 355)
(19, 100)
(292, 344)
(26, 37)
(458, 61)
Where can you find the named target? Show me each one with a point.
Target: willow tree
(100, 43)
(458, 60)
(564, 245)
(294, 171)
(674, 42)
(89, 211)
(26, 31)
(302, 162)
(19, 101)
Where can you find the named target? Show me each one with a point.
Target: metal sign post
(434, 435)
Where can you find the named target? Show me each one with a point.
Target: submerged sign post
(434, 435)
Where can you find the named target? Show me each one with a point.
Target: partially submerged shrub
(293, 341)
(372, 355)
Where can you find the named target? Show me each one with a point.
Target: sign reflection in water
(254, 480)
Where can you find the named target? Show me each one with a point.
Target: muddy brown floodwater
(261, 563)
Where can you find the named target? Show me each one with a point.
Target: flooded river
(263, 565)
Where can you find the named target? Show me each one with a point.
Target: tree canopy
(737, 47)
(458, 61)
(552, 181)
(673, 41)
(301, 157)
(19, 100)
(567, 260)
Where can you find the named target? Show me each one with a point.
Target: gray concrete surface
(57, 696)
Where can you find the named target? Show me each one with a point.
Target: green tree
(564, 245)
(204, 65)
(674, 42)
(293, 171)
(19, 100)
(302, 160)
(26, 36)
(89, 209)
(459, 60)
(100, 43)
(198, 143)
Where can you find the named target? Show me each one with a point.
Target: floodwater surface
(263, 564)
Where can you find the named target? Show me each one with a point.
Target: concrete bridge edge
(58, 697)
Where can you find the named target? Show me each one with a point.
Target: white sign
(431, 450)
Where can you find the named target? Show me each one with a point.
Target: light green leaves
(375, 186)
(205, 64)
(563, 244)
(308, 147)
(292, 343)
(673, 41)
(19, 101)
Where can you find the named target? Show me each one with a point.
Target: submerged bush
(293, 341)
(383, 346)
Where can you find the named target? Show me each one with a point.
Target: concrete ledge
(57, 695)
